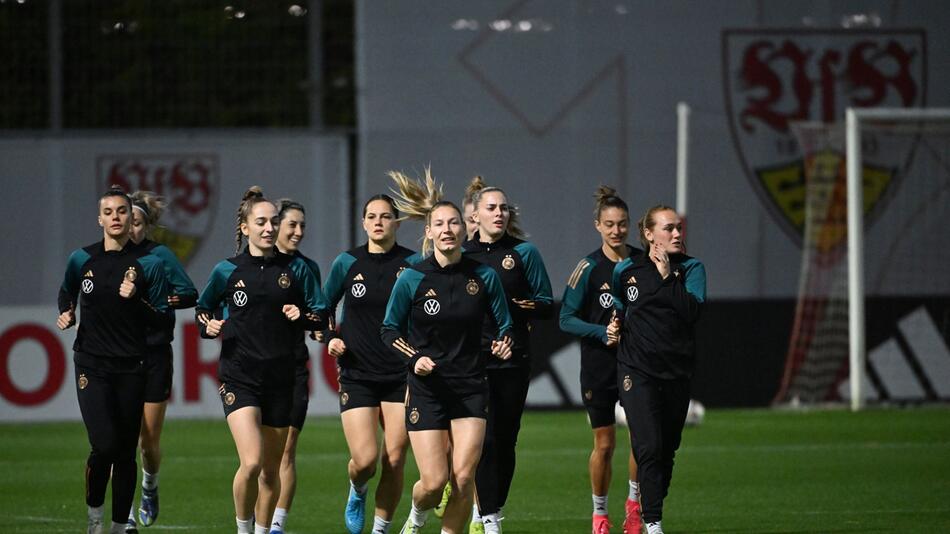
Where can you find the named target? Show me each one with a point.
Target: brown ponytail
(252, 196)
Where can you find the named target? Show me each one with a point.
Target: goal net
(905, 262)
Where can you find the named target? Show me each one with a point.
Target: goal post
(872, 316)
(855, 118)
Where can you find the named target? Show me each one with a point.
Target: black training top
(180, 285)
(251, 292)
(110, 325)
(587, 306)
(366, 280)
(302, 353)
(524, 277)
(658, 315)
(438, 311)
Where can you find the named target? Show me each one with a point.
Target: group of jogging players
(433, 349)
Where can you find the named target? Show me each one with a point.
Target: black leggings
(111, 405)
(656, 412)
(507, 392)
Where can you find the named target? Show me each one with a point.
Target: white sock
(600, 504)
(95, 513)
(634, 494)
(476, 517)
(117, 528)
(244, 525)
(654, 528)
(361, 489)
(417, 516)
(279, 520)
(149, 481)
(380, 525)
(259, 529)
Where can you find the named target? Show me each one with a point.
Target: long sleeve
(688, 295)
(333, 290)
(395, 328)
(316, 316)
(498, 300)
(537, 275)
(69, 289)
(572, 302)
(181, 284)
(211, 297)
(155, 302)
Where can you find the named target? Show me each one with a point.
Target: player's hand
(214, 327)
(336, 347)
(317, 336)
(661, 259)
(66, 319)
(174, 300)
(501, 348)
(291, 312)
(613, 330)
(524, 304)
(127, 289)
(424, 366)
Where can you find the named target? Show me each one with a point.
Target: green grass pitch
(741, 471)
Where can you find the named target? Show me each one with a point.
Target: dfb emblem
(358, 290)
(189, 183)
(414, 416)
(632, 293)
(606, 300)
(87, 286)
(431, 306)
(776, 79)
(240, 298)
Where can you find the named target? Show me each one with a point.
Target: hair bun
(604, 192)
(474, 186)
(254, 191)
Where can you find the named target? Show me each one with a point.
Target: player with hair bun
(434, 322)
(586, 311)
(147, 208)
(659, 296)
(259, 302)
(121, 292)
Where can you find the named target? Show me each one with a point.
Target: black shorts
(600, 394)
(369, 393)
(267, 385)
(433, 402)
(301, 398)
(158, 373)
(275, 405)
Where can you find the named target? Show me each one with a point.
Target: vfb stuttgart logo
(189, 183)
(775, 78)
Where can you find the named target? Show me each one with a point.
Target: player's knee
(463, 481)
(364, 465)
(394, 460)
(434, 483)
(604, 450)
(250, 468)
